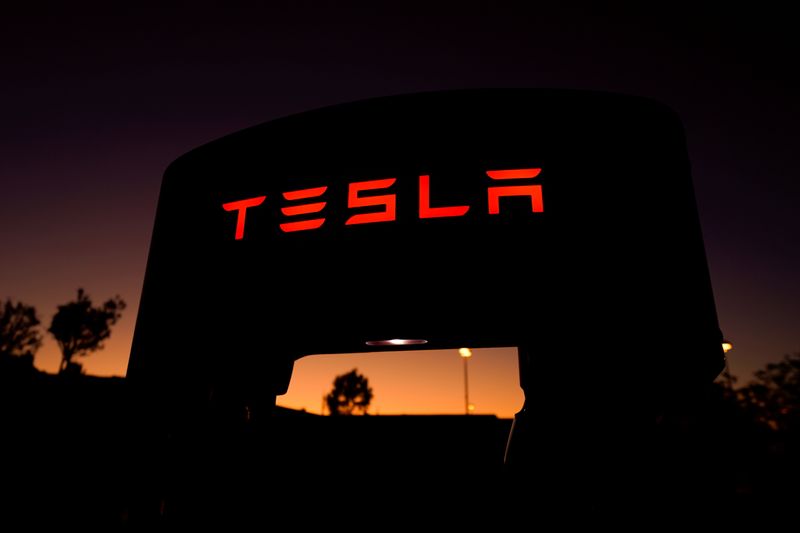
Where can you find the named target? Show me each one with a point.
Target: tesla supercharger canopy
(560, 222)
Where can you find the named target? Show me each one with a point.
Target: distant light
(471, 407)
(465, 352)
(726, 346)
(396, 342)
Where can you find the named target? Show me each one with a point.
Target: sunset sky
(95, 102)
(424, 382)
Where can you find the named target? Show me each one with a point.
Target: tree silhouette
(351, 393)
(81, 329)
(774, 397)
(19, 332)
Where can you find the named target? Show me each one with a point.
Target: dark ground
(69, 456)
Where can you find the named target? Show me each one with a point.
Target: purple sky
(95, 103)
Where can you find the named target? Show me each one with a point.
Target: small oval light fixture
(465, 352)
(396, 342)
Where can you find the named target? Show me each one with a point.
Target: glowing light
(241, 206)
(534, 191)
(389, 201)
(303, 225)
(302, 194)
(471, 407)
(396, 342)
(425, 209)
(465, 352)
(386, 204)
(514, 174)
(303, 209)
(726, 346)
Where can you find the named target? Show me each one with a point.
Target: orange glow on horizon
(414, 382)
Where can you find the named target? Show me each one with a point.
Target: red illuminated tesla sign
(385, 204)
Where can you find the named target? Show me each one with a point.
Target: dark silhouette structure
(351, 394)
(81, 329)
(560, 222)
(19, 330)
(773, 398)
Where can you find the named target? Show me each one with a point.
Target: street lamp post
(465, 354)
(727, 346)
